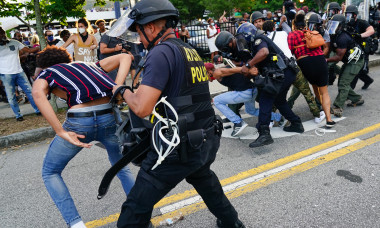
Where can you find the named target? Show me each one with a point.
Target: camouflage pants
(301, 85)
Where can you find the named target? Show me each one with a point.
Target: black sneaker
(357, 103)
(367, 84)
(226, 120)
(295, 127)
(238, 224)
(20, 118)
(330, 124)
(238, 128)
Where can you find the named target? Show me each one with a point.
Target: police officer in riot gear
(176, 82)
(351, 54)
(265, 56)
(315, 23)
(332, 9)
(257, 19)
(360, 30)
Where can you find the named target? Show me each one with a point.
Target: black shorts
(314, 68)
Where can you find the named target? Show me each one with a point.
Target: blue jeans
(235, 97)
(100, 128)
(10, 81)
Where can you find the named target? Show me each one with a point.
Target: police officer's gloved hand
(357, 36)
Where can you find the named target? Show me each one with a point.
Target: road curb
(47, 132)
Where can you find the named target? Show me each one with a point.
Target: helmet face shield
(121, 25)
(348, 17)
(332, 27)
(311, 26)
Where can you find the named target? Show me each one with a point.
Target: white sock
(79, 225)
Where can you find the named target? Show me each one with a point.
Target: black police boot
(264, 137)
(295, 127)
(238, 224)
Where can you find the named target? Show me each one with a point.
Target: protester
(85, 43)
(211, 34)
(101, 23)
(49, 36)
(184, 34)
(65, 35)
(11, 73)
(300, 84)
(87, 90)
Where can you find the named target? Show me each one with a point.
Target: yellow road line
(248, 173)
(272, 179)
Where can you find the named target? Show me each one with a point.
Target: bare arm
(105, 50)
(326, 49)
(368, 32)
(40, 90)
(121, 61)
(260, 56)
(69, 41)
(208, 34)
(339, 55)
(142, 101)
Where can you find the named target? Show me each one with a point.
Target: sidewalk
(43, 133)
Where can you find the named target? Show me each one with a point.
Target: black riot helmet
(352, 9)
(256, 15)
(336, 25)
(313, 20)
(222, 41)
(333, 8)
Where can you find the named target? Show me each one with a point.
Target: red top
(295, 39)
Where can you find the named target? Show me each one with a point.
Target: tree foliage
(189, 9)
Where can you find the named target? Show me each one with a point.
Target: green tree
(189, 9)
(43, 12)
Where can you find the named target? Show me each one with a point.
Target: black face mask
(4, 41)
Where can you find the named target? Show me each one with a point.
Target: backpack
(313, 39)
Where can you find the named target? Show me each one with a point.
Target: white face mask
(212, 24)
(82, 30)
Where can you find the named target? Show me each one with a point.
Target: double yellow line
(263, 182)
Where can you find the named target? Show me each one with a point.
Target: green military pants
(301, 85)
(347, 74)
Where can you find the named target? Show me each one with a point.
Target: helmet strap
(168, 24)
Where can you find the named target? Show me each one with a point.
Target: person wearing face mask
(11, 72)
(361, 30)
(211, 34)
(50, 38)
(85, 43)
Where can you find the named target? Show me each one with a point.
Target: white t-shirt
(281, 40)
(9, 57)
(70, 48)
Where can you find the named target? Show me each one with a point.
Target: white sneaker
(321, 117)
(271, 124)
(238, 128)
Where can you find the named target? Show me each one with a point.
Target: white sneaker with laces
(271, 124)
(321, 117)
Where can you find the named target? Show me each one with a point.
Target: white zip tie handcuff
(355, 55)
(322, 131)
(168, 125)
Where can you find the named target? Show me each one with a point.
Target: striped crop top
(82, 82)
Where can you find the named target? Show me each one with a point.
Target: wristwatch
(247, 65)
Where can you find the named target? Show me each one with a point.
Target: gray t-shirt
(111, 42)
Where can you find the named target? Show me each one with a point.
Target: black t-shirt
(343, 41)
(111, 42)
(289, 5)
(164, 69)
(237, 82)
(361, 26)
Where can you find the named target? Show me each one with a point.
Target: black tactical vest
(350, 47)
(194, 99)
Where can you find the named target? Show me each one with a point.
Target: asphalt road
(338, 186)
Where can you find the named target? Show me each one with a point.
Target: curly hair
(99, 21)
(268, 26)
(52, 55)
(86, 23)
